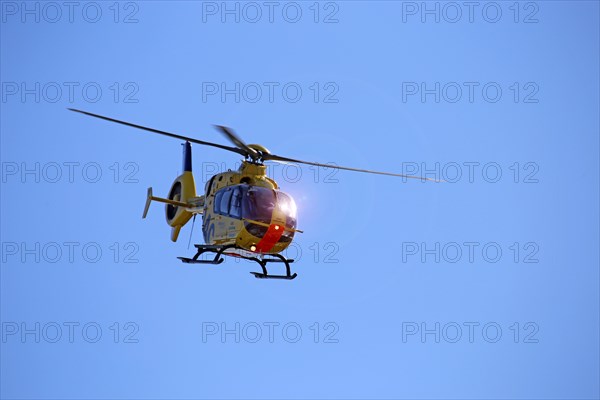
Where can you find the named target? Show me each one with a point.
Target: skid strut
(262, 261)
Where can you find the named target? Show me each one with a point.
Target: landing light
(253, 248)
(276, 227)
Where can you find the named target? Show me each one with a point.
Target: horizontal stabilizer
(150, 197)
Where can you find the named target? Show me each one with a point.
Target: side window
(224, 208)
(217, 202)
(235, 209)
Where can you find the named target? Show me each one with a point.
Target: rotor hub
(260, 150)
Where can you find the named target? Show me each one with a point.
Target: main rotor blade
(173, 135)
(273, 157)
(235, 139)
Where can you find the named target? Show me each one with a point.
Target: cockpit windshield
(258, 203)
(255, 203)
(287, 206)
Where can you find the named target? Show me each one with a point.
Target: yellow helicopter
(244, 213)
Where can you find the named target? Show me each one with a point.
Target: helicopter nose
(270, 238)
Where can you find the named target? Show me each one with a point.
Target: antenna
(191, 231)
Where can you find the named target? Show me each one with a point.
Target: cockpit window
(286, 205)
(224, 208)
(235, 208)
(217, 202)
(254, 203)
(258, 203)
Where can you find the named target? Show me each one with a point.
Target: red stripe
(270, 239)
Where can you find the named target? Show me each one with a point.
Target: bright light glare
(287, 205)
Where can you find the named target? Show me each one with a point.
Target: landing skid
(261, 260)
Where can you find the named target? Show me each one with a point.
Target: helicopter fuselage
(245, 208)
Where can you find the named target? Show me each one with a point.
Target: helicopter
(244, 212)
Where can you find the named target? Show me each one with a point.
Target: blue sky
(485, 286)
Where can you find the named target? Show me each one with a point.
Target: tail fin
(175, 232)
(187, 157)
(181, 198)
